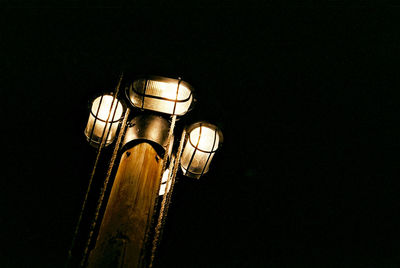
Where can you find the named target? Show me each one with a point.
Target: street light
(105, 115)
(145, 146)
(161, 94)
(202, 142)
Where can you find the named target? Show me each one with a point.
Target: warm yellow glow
(104, 110)
(167, 96)
(164, 182)
(203, 138)
(95, 127)
(167, 90)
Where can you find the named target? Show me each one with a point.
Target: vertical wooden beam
(129, 210)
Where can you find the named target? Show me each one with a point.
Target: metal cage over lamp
(105, 114)
(161, 94)
(202, 142)
(142, 176)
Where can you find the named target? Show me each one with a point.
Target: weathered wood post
(130, 207)
(129, 212)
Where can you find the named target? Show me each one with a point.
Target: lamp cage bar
(189, 169)
(138, 91)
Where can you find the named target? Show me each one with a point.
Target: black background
(306, 96)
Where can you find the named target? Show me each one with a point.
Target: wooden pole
(129, 210)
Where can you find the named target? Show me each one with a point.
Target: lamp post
(147, 168)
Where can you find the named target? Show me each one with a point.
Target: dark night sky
(307, 98)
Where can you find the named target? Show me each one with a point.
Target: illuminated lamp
(202, 142)
(105, 115)
(164, 183)
(161, 94)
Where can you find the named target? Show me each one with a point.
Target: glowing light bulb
(103, 119)
(164, 182)
(200, 148)
(161, 94)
